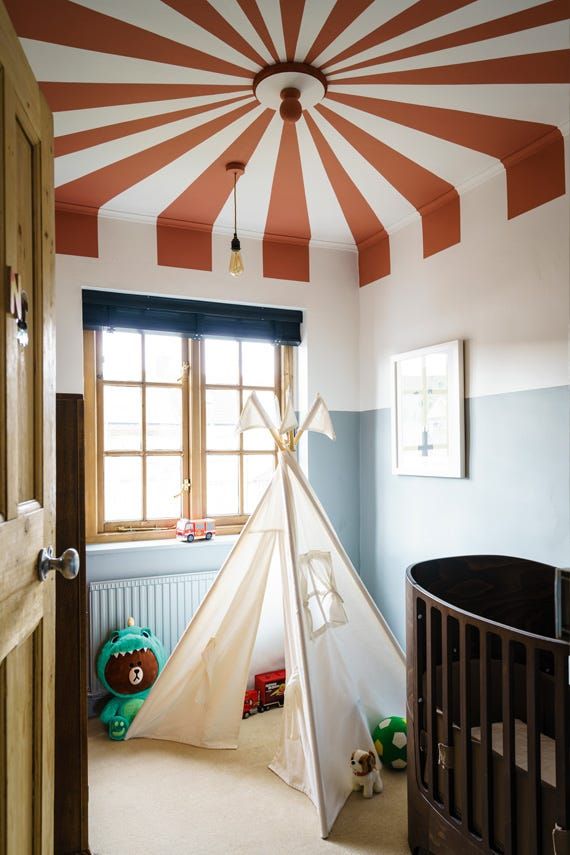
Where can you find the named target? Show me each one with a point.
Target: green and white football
(391, 741)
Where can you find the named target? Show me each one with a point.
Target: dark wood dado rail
(488, 709)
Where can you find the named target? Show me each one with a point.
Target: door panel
(27, 392)
(27, 460)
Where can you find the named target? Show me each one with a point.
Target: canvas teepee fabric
(345, 671)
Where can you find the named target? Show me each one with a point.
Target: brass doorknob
(67, 565)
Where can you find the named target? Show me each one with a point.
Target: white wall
(504, 290)
(328, 357)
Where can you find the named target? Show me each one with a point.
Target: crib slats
(464, 704)
(510, 834)
(562, 730)
(533, 749)
(446, 703)
(430, 704)
(486, 778)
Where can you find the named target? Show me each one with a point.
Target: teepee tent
(289, 572)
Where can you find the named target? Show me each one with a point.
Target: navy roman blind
(192, 318)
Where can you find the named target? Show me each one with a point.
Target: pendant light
(236, 267)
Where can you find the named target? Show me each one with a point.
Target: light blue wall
(514, 501)
(334, 473)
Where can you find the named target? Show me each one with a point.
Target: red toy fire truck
(189, 530)
(250, 702)
(269, 692)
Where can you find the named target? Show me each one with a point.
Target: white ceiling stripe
(468, 16)
(155, 193)
(271, 13)
(448, 160)
(325, 213)
(255, 185)
(167, 22)
(234, 15)
(373, 17)
(315, 15)
(547, 38)
(386, 202)
(72, 166)
(74, 121)
(59, 63)
(537, 102)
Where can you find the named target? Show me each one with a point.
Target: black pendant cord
(235, 205)
(236, 246)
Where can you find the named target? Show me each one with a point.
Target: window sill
(130, 560)
(224, 540)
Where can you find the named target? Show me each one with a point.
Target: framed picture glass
(427, 411)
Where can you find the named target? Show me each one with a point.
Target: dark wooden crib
(488, 709)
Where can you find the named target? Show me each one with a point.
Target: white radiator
(164, 603)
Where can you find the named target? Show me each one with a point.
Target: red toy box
(271, 688)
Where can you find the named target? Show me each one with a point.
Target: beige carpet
(159, 798)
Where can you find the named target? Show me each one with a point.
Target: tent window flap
(190, 318)
(322, 602)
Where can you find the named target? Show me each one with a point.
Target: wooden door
(27, 459)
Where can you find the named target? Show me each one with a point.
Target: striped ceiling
(151, 99)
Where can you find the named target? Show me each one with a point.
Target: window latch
(184, 374)
(185, 488)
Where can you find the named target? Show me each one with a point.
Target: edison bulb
(236, 263)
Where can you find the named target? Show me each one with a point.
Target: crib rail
(473, 680)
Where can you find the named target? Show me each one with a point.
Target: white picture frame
(428, 422)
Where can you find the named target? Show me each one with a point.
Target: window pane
(222, 361)
(222, 414)
(164, 419)
(258, 363)
(122, 416)
(257, 472)
(222, 472)
(162, 358)
(122, 356)
(259, 439)
(123, 488)
(163, 481)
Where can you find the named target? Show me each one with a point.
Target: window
(161, 412)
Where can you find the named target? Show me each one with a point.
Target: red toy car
(250, 702)
(271, 688)
(189, 530)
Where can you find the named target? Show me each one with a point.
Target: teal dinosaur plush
(128, 665)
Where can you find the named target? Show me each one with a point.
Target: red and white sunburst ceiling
(152, 98)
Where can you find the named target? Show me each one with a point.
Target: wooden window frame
(194, 442)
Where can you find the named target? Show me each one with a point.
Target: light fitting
(290, 87)
(236, 267)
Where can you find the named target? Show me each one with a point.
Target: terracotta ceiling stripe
(367, 230)
(203, 14)
(436, 200)
(81, 96)
(419, 13)
(547, 67)
(255, 18)
(537, 16)
(65, 23)
(291, 17)
(94, 190)
(68, 143)
(498, 137)
(342, 15)
(76, 233)
(184, 228)
(287, 229)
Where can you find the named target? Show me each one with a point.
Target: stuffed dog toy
(366, 773)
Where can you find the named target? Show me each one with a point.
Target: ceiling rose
(290, 87)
